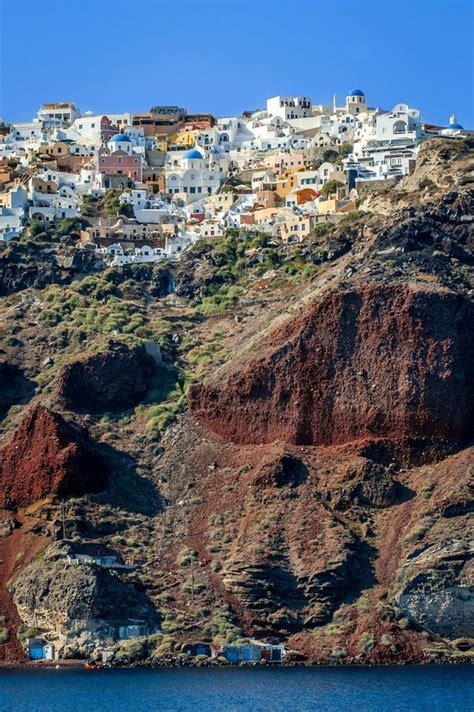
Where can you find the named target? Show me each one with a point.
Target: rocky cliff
(45, 456)
(116, 378)
(393, 361)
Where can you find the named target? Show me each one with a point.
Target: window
(399, 127)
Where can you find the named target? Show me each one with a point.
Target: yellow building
(335, 205)
(184, 138)
(161, 143)
(286, 184)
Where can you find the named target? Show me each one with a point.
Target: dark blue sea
(374, 689)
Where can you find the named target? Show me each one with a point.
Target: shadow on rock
(15, 387)
(128, 490)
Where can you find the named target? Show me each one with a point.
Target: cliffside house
(39, 650)
(194, 649)
(253, 651)
(94, 553)
(132, 629)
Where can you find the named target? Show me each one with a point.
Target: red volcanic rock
(392, 361)
(47, 456)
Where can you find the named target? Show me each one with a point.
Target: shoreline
(80, 665)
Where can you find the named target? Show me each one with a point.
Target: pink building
(120, 163)
(107, 129)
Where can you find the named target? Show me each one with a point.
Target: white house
(12, 212)
(289, 107)
(92, 126)
(56, 115)
(401, 123)
(388, 146)
(11, 223)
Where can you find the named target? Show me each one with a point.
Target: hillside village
(236, 403)
(144, 187)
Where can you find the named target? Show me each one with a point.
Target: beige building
(266, 198)
(296, 228)
(59, 148)
(221, 202)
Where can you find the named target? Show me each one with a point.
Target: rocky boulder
(46, 456)
(393, 361)
(79, 606)
(25, 265)
(438, 594)
(111, 380)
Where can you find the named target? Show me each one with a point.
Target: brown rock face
(46, 456)
(110, 380)
(392, 361)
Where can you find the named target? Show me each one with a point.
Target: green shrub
(165, 648)
(366, 641)
(25, 633)
(223, 628)
(330, 187)
(427, 491)
(131, 650)
(419, 531)
(186, 556)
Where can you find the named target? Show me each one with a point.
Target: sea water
(426, 688)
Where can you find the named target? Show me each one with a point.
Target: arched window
(399, 127)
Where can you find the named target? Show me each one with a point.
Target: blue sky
(225, 56)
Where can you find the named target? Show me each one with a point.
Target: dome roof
(455, 126)
(120, 138)
(192, 153)
(356, 92)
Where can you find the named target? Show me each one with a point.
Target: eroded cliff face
(392, 361)
(345, 405)
(46, 456)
